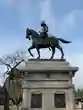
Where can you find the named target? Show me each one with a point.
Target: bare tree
(13, 81)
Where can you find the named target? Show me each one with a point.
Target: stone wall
(11, 108)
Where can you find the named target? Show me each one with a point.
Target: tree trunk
(6, 101)
(17, 107)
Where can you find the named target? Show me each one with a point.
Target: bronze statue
(47, 42)
(44, 30)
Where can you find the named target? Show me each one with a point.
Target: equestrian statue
(43, 40)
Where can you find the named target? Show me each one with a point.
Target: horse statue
(49, 42)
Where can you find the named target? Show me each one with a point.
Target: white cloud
(60, 26)
(70, 21)
(46, 14)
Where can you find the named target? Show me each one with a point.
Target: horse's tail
(64, 41)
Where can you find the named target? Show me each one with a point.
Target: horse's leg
(38, 53)
(60, 48)
(29, 50)
(49, 48)
(37, 48)
(53, 52)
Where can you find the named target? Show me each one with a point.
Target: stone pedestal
(48, 85)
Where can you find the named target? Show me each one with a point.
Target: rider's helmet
(43, 23)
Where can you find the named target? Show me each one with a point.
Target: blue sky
(64, 18)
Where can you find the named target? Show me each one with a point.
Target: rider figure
(44, 30)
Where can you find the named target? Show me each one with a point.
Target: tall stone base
(48, 85)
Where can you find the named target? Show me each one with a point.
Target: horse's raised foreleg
(29, 50)
(53, 52)
(60, 48)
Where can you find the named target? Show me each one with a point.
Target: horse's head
(28, 33)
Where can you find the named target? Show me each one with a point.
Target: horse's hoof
(51, 58)
(38, 57)
(62, 58)
(32, 55)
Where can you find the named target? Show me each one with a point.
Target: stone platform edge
(46, 59)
